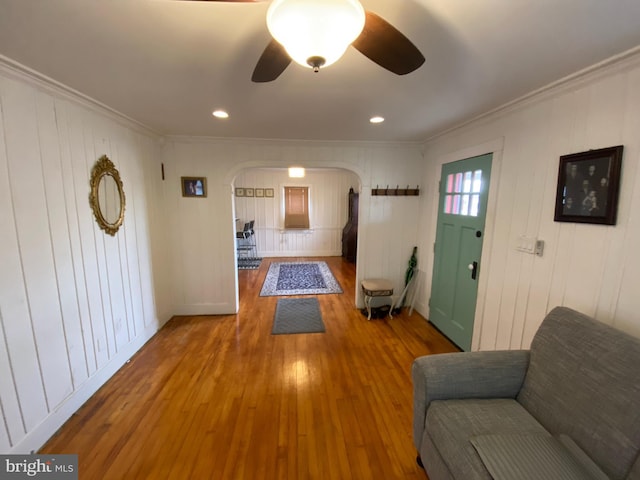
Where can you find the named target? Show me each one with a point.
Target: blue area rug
(297, 315)
(299, 278)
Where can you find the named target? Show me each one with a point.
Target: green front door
(464, 188)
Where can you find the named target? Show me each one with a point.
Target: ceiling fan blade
(273, 61)
(382, 43)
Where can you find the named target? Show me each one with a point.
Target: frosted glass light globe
(315, 33)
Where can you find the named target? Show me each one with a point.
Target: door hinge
(434, 247)
(439, 185)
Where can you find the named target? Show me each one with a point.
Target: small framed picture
(268, 192)
(194, 186)
(239, 192)
(248, 192)
(588, 184)
(259, 192)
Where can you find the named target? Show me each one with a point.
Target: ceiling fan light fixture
(315, 30)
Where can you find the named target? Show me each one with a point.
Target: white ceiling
(168, 63)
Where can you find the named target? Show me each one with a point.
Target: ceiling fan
(296, 24)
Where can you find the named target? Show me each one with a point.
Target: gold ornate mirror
(107, 195)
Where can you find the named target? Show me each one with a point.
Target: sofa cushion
(583, 380)
(494, 374)
(534, 456)
(451, 424)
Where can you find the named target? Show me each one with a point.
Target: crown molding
(283, 142)
(618, 63)
(13, 69)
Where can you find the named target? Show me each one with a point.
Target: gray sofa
(568, 408)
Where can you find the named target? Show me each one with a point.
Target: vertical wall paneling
(73, 228)
(7, 396)
(625, 253)
(91, 287)
(16, 345)
(587, 267)
(132, 173)
(75, 303)
(58, 225)
(31, 220)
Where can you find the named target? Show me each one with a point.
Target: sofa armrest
(495, 374)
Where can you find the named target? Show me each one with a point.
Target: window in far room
(296, 207)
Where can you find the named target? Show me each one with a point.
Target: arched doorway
(258, 197)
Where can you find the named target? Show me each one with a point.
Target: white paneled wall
(591, 268)
(204, 278)
(328, 205)
(75, 303)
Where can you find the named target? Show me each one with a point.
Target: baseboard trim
(204, 309)
(37, 437)
(302, 253)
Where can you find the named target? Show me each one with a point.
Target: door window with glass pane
(463, 193)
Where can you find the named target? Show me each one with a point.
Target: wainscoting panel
(321, 242)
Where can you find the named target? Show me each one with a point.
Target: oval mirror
(107, 195)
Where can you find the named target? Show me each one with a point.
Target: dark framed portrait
(588, 186)
(194, 186)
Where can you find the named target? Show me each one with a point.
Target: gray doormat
(297, 315)
(249, 263)
(299, 278)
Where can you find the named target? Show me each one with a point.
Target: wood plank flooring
(219, 397)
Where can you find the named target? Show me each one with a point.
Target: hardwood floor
(219, 397)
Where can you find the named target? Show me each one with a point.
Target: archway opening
(259, 198)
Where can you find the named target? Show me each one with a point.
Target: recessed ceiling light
(376, 119)
(220, 114)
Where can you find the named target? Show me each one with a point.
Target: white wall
(328, 205)
(591, 268)
(75, 303)
(202, 230)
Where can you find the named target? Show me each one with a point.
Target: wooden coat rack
(396, 192)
